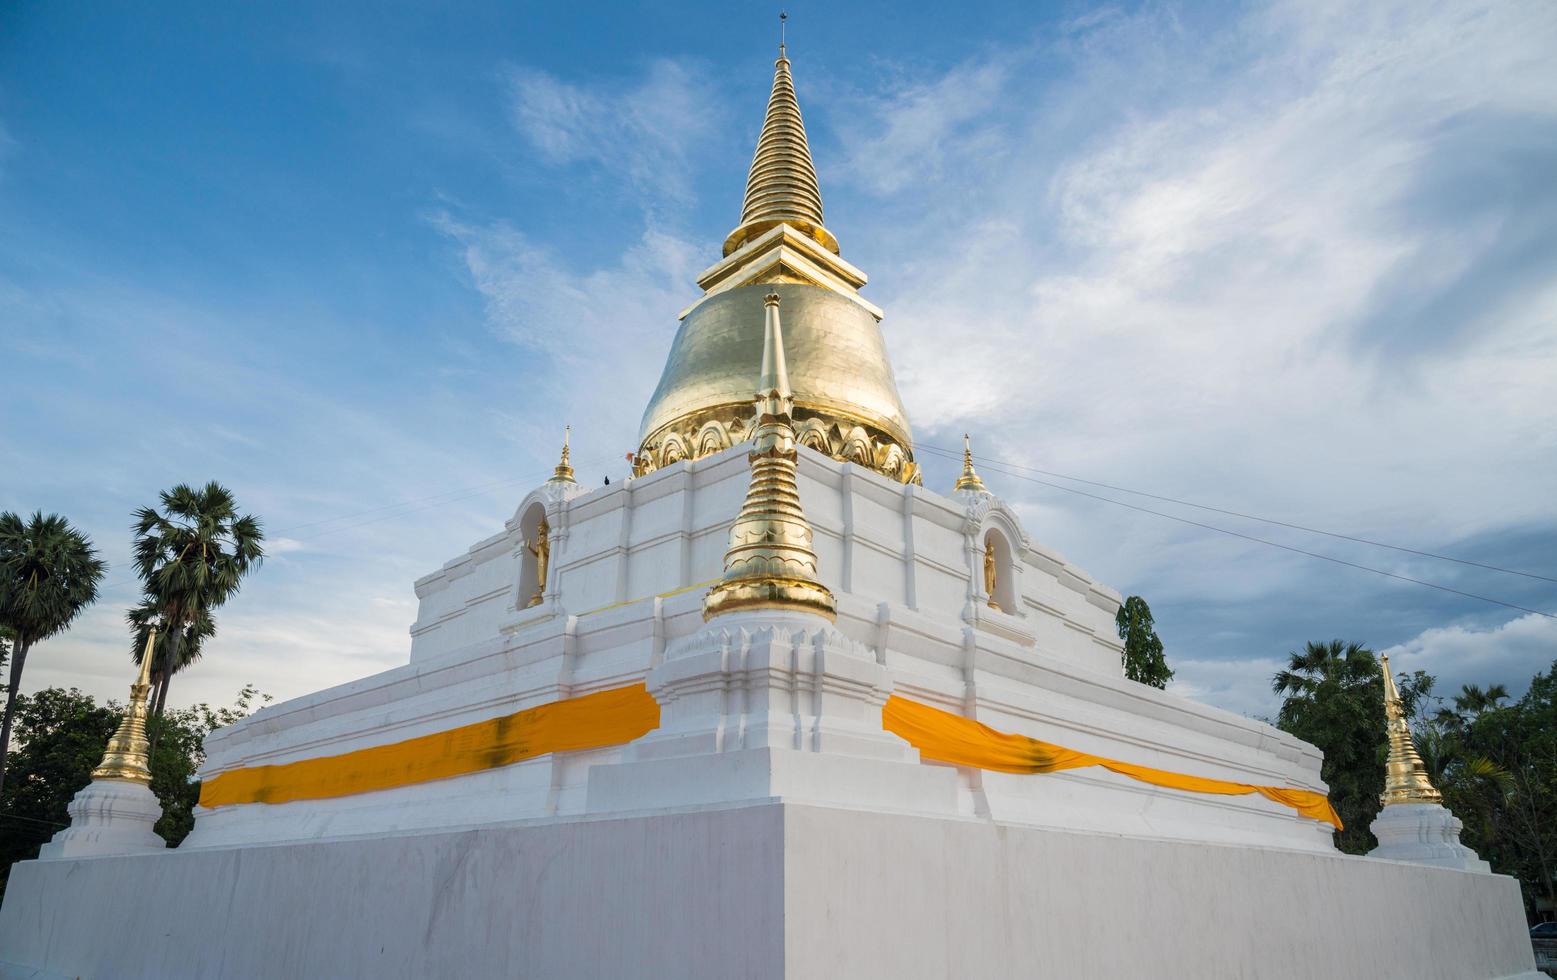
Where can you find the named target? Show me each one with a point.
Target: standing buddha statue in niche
(989, 573)
(540, 548)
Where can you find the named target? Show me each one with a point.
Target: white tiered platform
(761, 831)
(625, 560)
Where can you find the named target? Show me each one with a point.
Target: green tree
(48, 574)
(1143, 657)
(192, 557)
(146, 616)
(61, 736)
(5, 657)
(1521, 739)
(1333, 697)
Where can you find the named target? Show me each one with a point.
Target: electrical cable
(996, 467)
(1248, 517)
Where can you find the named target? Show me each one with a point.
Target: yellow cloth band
(588, 722)
(625, 713)
(945, 737)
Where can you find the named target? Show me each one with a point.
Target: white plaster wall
(874, 895)
(876, 539)
(690, 894)
(764, 891)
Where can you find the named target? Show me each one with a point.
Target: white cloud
(646, 131)
(1459, 655)
(602, 332)
(1241, 686)
(1245, 267)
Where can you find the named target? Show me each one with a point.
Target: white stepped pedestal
(1425, 833)
(109, 816)
(769, 705)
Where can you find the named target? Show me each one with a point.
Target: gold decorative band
(588, 722)
(945, 737)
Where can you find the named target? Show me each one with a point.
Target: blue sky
(362, 262)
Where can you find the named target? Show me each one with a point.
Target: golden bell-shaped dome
(845, 397)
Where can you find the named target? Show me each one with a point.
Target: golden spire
(1405, 777)
(564, 472)
(781, 187)
(969, 480)
(127, 756)
(770, 564)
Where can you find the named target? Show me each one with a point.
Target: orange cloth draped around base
(945, 737)
(591, 721)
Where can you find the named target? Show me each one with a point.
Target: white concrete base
(1425, 833)
(765, 706)
(108, 816)
(764, 891)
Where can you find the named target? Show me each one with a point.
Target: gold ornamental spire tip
(564, 471)
(773, 383)
(128, 754)
(781, 187)
(1405, 776)
(770, 563)
(969, 480)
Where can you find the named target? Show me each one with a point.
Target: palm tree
(192, 557)
(147, 615)
(1334, 698)
(1472, 700)
(48, 574)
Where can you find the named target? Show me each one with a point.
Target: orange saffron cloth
(626, 713)
(587, 722)
(945, 737)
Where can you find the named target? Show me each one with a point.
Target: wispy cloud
(600, 331)
(647, 131)
(1458, 655)
(1301, 264)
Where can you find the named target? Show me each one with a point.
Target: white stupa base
(109, 816)
(769, 705)
(1425, 833)
(763, 891)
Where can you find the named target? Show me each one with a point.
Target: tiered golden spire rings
(969, 480)
(564, 471)
(770, 564)
(1405, 777)
(128, 754)
(781, 186)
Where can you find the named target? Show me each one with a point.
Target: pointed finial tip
(772, 299)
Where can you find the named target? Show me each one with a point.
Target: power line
(1247, 517)
(996, 466)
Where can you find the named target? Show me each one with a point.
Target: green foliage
(48, 575)
(60, 738)
(1500, 777)
(1143, 657)
(192, 557)
(1494, 762)
(1334, 698)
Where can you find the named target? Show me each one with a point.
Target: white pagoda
(770, 708)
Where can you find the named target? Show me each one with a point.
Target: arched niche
(1001, 559)
(531, 519)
